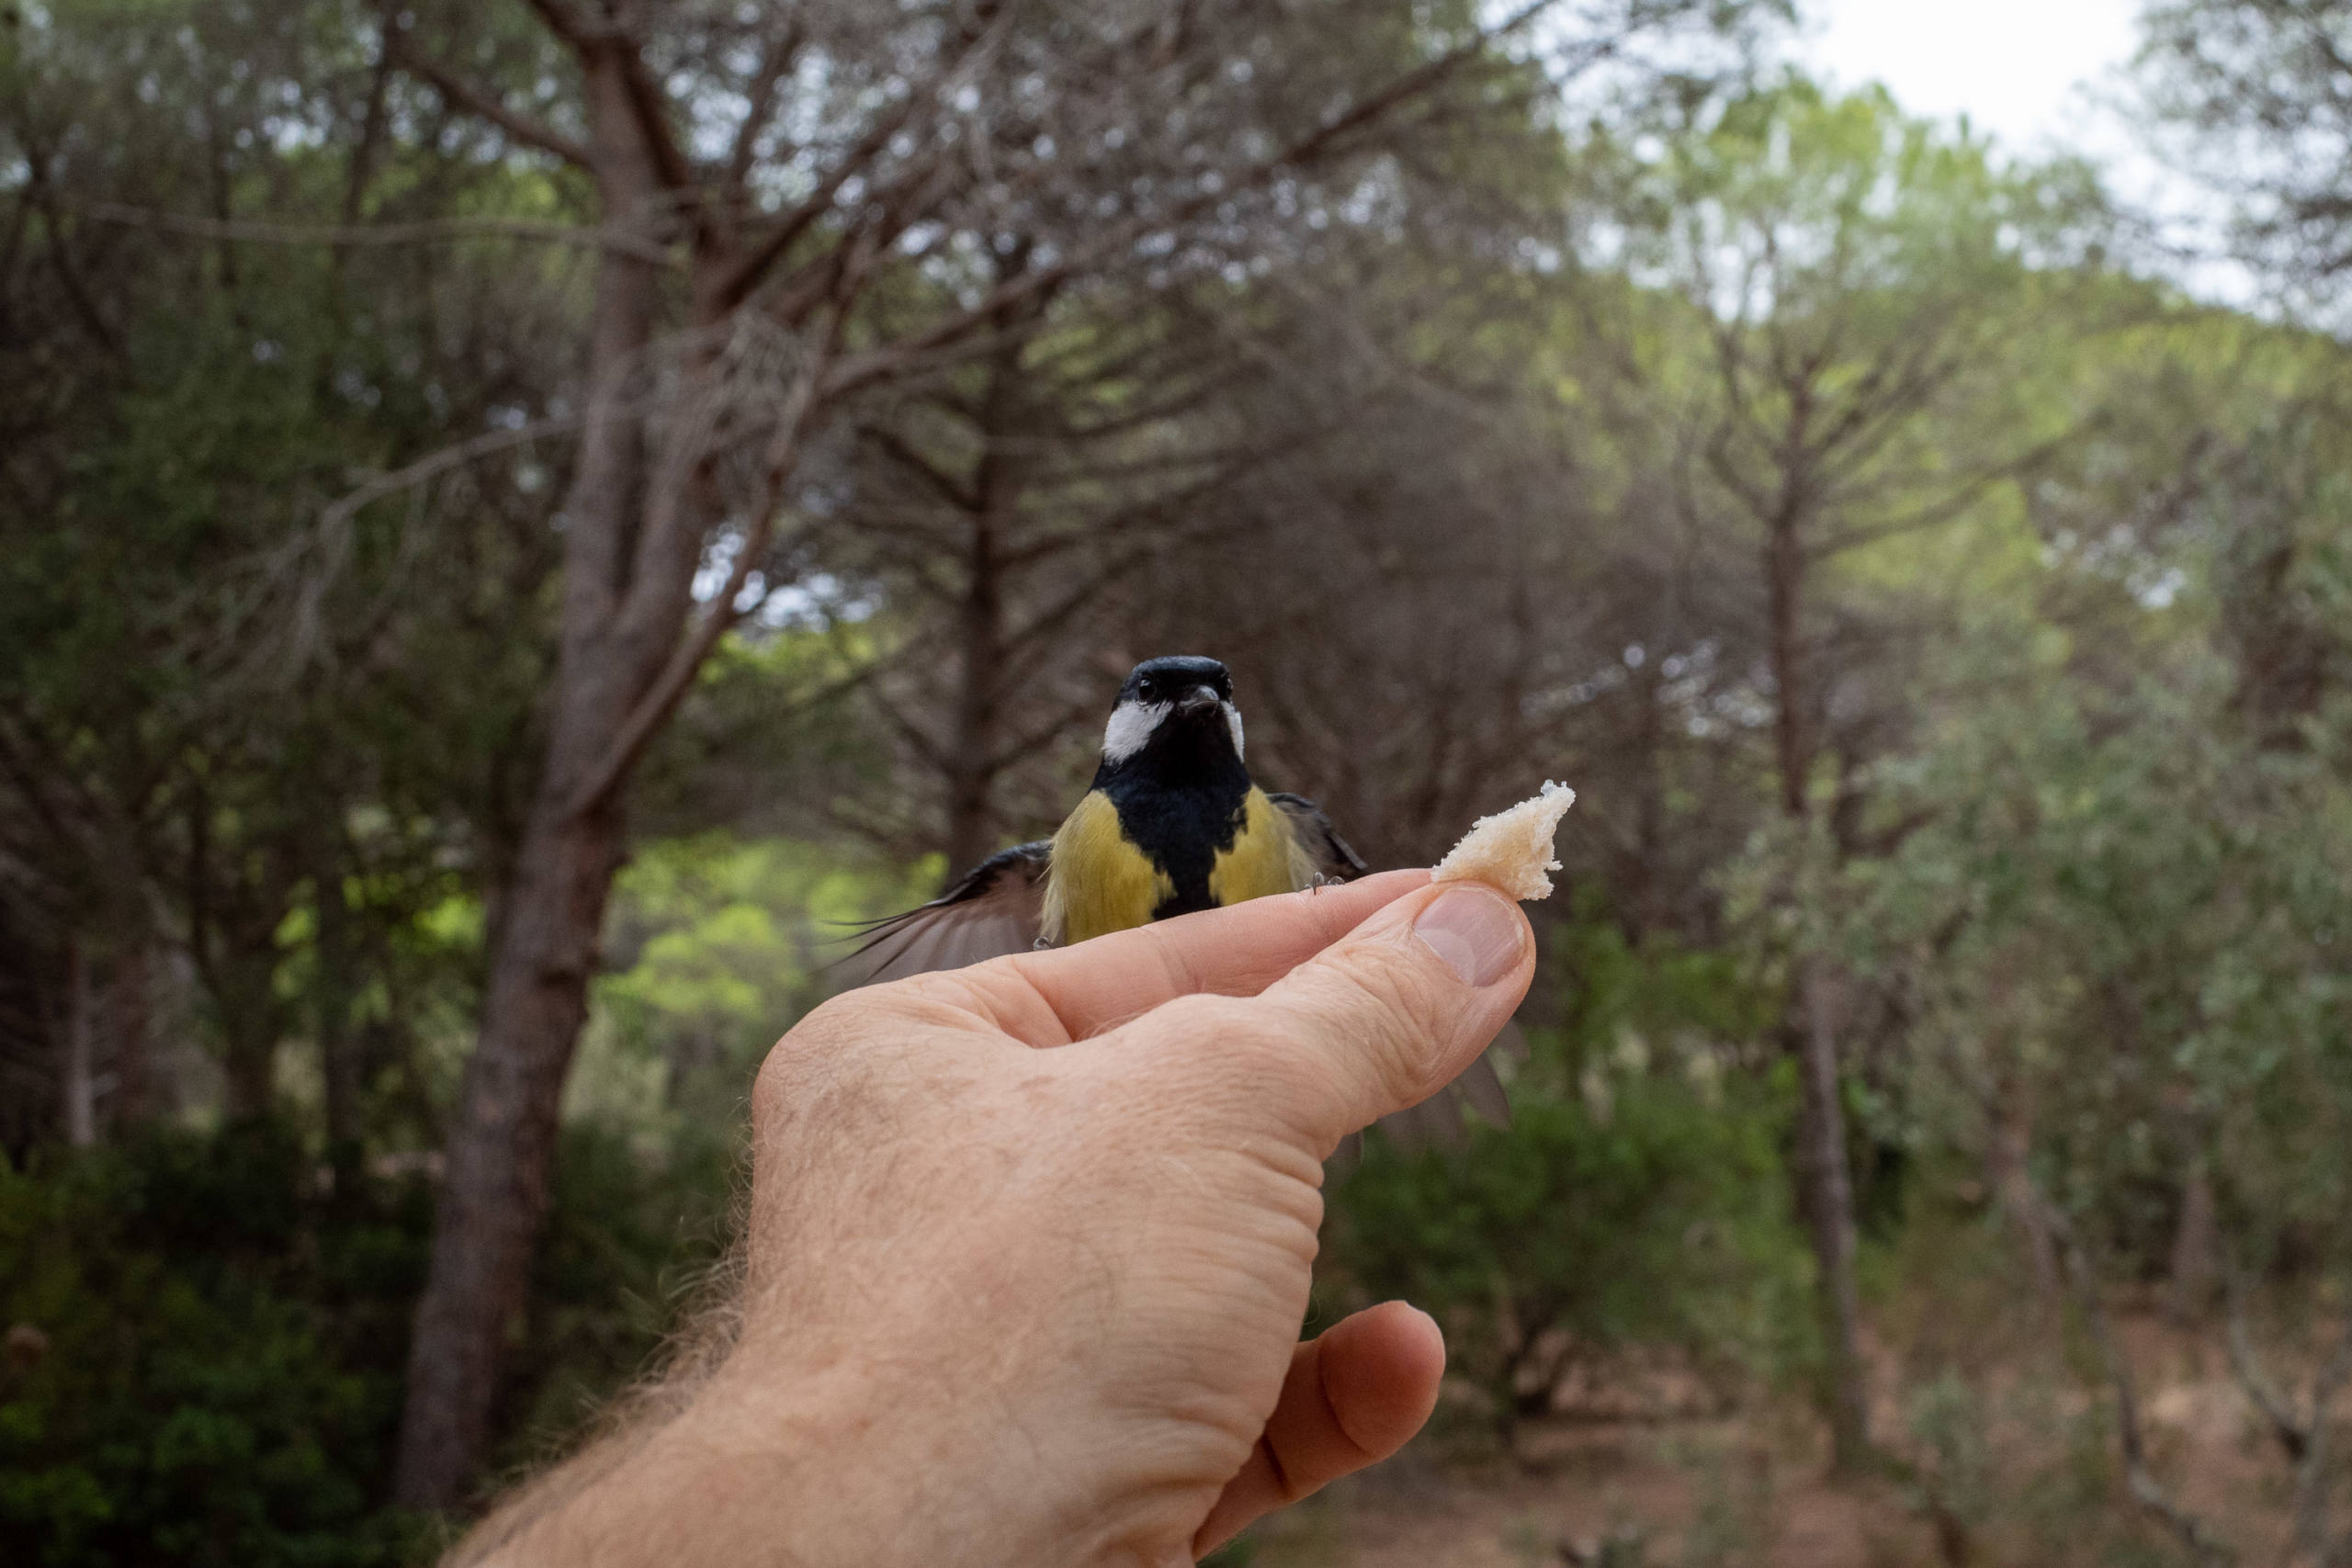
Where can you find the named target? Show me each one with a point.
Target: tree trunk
(1827, 1185)
(132, 990)
(1645, 907)
(80, 1078)
(1792, 748)
(2009, 1148)
(543, 949)
(338, 1063)
(2196, 1248)
(1829, 1216)
(972, 761)
(971, 772)
(494, 1192)
(249, 1025)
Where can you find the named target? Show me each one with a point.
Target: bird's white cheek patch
(1233, 722)
(1131, 725)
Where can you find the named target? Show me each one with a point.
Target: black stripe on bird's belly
(1181, 826)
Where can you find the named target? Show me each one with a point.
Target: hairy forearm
(701, 1479)
(828, 1468)
(531, 1512)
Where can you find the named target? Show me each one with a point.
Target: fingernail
(1476, 930)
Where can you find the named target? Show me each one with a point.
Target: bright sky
(2014, 67)
(2041, 77)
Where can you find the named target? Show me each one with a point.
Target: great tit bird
(1172, 824)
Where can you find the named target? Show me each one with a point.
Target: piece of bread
(1512, 849)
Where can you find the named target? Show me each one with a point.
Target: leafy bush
(717, 943)
(207, 1365)
(205, 1343)
(1655, 1217)
(630, 1243)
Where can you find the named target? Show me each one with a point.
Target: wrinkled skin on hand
(1030, 1246)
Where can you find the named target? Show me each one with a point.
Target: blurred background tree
(517, 521)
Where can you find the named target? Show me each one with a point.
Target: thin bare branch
(747, 271)
(1022, 744)
(558, 19)
(2207, 1548)
(1327, 140)
(933, 757)
(2293, 1436)
(543, 231)
(464, 95)
(652, 709)
(1947, 506)
(761, 106)
(650, 107)
(435, 464)
(947, 486)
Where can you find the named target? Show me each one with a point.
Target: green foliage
(1638, 1199)
(635, 1241)
(212, 1338)
(2125, 915)
(221, 1371)
(2081, 564)
(718, 944)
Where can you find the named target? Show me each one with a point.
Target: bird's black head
(1175, 715)
(1175, 678)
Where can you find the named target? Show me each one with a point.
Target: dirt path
(2028, 1482)
(1690, 1493)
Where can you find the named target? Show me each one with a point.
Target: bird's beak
(1202, 700)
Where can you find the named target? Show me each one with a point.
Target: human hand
(1030, 1244)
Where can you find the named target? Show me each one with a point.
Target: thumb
(1389, 1014)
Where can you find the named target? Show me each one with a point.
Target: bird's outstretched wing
(1312, 832)
(993, 911)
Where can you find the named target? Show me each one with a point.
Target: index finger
(1234, 951)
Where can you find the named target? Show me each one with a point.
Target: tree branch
(435, 464)
(1018, 746)
(928, 750)
(654, 707)
(2293, 1436)
(2209, 1551)
(518, 125)
(900, 451)
(558, 20)
(651, 109)
(1324, 141)
(755, 263)
(774, 64)
(421, 232)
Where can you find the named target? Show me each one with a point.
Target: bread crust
(1512, 849)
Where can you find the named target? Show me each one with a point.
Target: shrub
(1645, 1208)
(207, 1371)
(205, 1344)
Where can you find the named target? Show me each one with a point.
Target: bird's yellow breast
(1102, 881)
(1099, 881)
(1259, 861)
